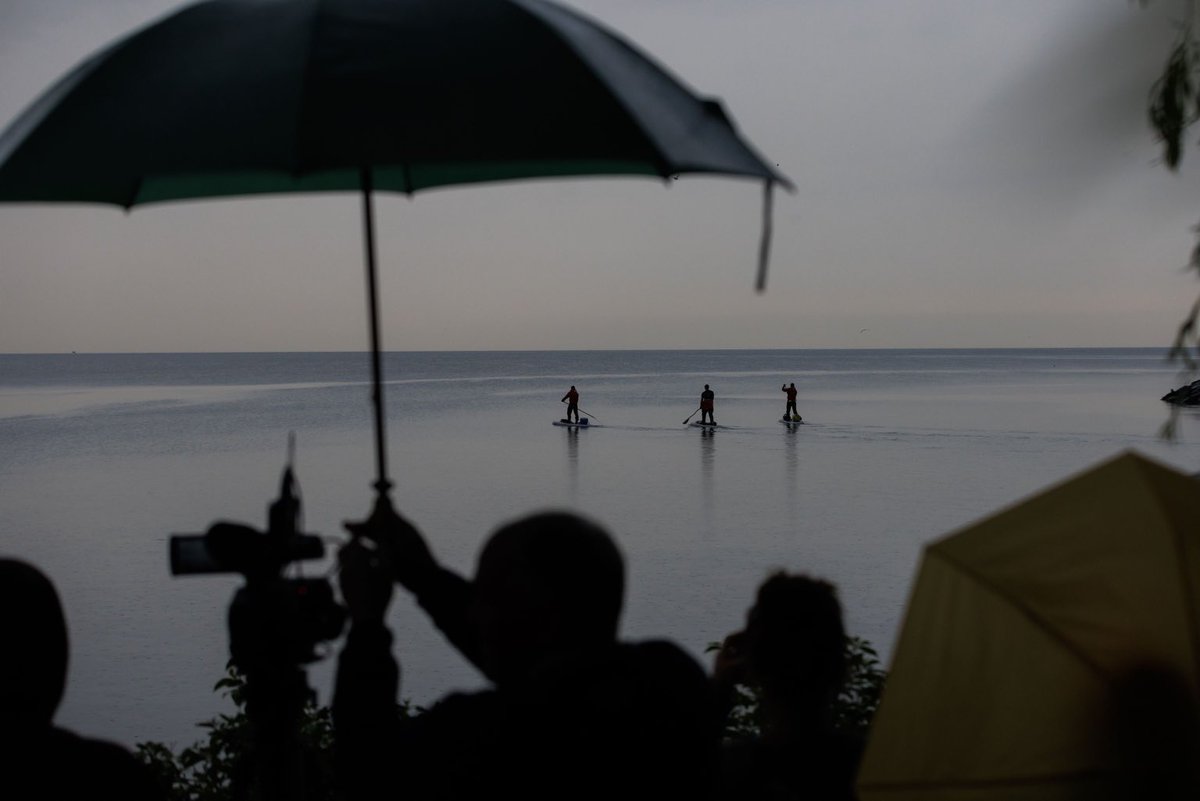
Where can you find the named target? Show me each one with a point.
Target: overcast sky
(970, 173)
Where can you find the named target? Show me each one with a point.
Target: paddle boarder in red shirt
(572, 399)
(791, 413)
(707, 401)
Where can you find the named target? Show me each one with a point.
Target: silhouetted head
(792, 385)
(706, 386)
(33, 671)
(1154, 734)
(795, 641)
(552, 583)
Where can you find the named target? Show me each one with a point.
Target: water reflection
(708, 459)
(791, 456)
(573, 462)
(791, 462)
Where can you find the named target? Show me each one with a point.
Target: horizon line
(1165, 348)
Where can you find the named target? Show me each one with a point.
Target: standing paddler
(707, 401)
(790, 413)
(572, 400)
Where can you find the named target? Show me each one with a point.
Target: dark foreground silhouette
(793, 651)
(1153, 735)
(573, 713)
(39, 760)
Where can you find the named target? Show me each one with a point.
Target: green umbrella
(238, 97)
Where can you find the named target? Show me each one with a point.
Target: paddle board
(788, 422)
(704, 425)
(583, 423)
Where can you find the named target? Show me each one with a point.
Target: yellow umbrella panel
(1023, 632)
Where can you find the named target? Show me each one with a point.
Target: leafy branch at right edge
(1173, 108)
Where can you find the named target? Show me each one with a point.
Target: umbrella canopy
(1023, 630)
(239, 97)
(235, 97)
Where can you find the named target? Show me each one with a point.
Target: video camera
(272, 618)
(275, 626)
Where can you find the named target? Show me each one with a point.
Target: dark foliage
(205, 770)
(855, 705)
(1174, 106)
(1173, 101)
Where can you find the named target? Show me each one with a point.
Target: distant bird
(863, 330)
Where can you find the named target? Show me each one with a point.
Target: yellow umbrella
(1021, 627)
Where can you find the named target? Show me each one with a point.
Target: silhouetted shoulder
(664, 653)
(629, 718)
(813, 767)
(655, 672)
(662, 667)
(651, 701)
(60, 764)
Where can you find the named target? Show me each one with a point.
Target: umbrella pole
(382, 484)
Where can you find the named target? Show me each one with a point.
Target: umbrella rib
(1024, 610)
(298, 168)
(134, 191)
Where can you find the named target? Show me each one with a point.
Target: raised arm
(442, 593)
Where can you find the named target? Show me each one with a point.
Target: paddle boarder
(790, 413)
(707, 398)
(572, 399)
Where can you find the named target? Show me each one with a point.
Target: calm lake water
(102, 457)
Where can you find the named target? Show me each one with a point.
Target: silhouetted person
(707, 404)
(573, 713)
(38, 760)
(790, 412)
(793, 651)
(572, 399)
(1153, 735)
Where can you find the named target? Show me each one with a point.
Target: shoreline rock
(1184, 396)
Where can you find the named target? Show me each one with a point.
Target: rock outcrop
(1185, 396)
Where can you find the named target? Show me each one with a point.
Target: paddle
(690, 416)
(585, 411)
